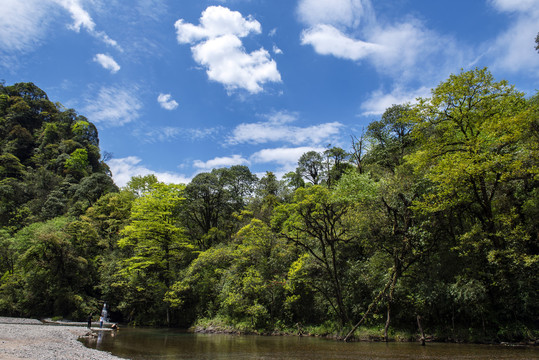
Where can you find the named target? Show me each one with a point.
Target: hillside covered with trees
(432, 213)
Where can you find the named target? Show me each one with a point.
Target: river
(146, 344)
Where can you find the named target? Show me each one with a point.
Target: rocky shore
(31, 339)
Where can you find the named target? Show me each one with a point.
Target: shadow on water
(144, 344)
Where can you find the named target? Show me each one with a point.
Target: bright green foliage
(156, 242)
(475, 149)
(77, 163)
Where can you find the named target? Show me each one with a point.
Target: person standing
(89, 321)
(101, 322)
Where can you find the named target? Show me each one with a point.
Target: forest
(431, 214)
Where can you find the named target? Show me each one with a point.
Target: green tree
(336, 163)
(311, 168)
(473, 137)
(390, 138)
(212, 199)
(316, 224)
(157, 245)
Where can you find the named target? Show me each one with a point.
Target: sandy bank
(30, 339)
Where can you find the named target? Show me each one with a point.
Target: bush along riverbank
(519, 336)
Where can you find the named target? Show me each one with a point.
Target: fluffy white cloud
(124, 169)
(379, 101)
(328, 40)
(276, 128)
(107, 62)
(113, 106)
(166, 102)
(219, 162)
(218, 47)
(216, 21)
(513, 49)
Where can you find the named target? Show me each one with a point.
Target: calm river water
(143, 344)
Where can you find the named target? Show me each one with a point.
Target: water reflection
(143, 344)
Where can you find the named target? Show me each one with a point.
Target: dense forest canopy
(432, 213)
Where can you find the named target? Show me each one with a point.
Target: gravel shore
(30, 339)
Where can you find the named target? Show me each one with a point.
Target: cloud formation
(113, 106)
(410, 55)
(22, 24)
(170, 133)
(166, 102)
(348, 13)
(513, 50)
(378, 101)
(124, 169)
(216, 45)
(82, 20)
(107, 62)
(220, 162)
(285, 157)
(277, 128)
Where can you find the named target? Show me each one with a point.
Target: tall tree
(316, 224)
(311, 168)
(157, 244)
(474, 148)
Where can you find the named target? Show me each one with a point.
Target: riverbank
(363, 334)
(31, 339)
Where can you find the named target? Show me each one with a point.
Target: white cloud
(124, 169)
(328, 40)
(513, 50)
(516, 5)
(286, 158)
(169, 133)
(404, 51)
(276, 50)
(23, 24)
(216, 21)
(276, 128)
(166, 102)
(107, 62)
(379, 101)
(347, 13)
(219, 162)
(218, 47)
(113, 106)
(82, 19)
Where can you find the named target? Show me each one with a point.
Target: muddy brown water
(145, 344)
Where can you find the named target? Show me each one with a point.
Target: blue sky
(180, 87)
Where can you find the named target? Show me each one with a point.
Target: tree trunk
(386, 339)
(422, 338)
(369, 309)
